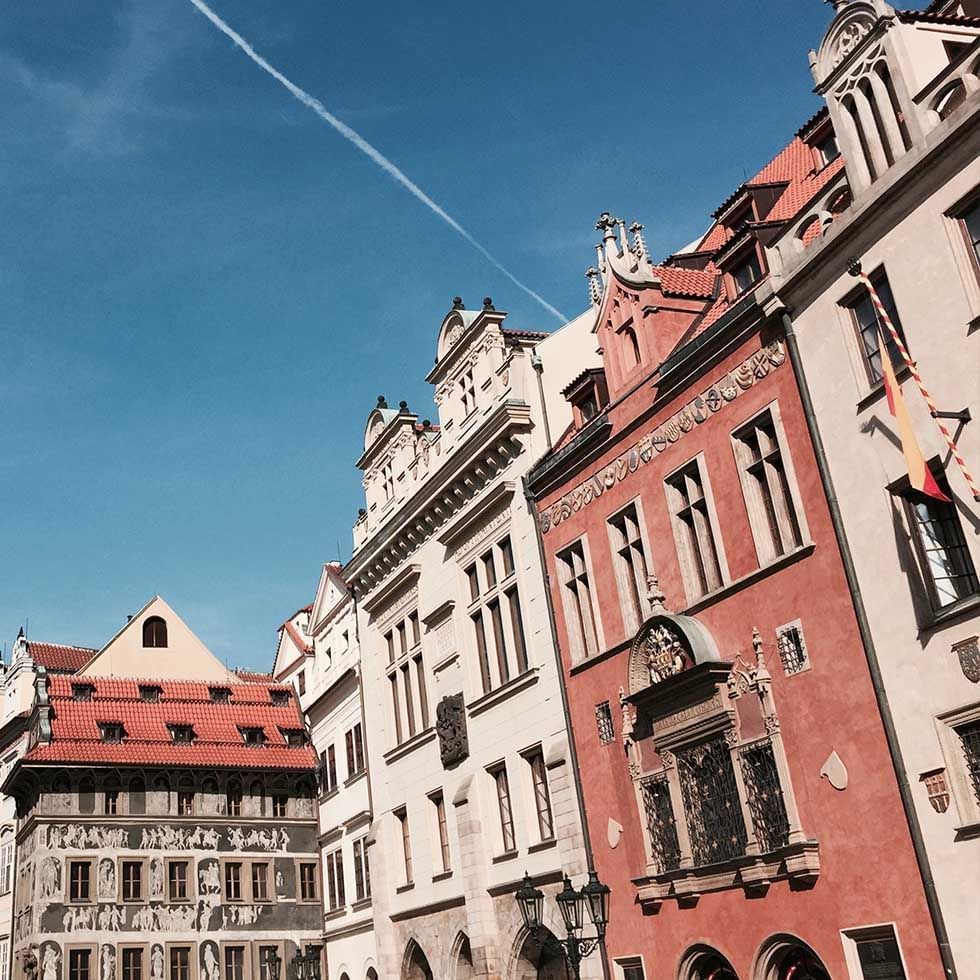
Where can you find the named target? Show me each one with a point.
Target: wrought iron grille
(711, 802)
(970, 737)
(660, 822)
(765, 795)
(604, 723)
(792, 649)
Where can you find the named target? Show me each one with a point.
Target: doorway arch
(535, 962)
(463, 959)
(415, 965)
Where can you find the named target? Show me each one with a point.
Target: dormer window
(155, 632)
(295, 738)
(182, 734)
(747, 272)
(254, 737)
(826, 150)
(82, 692)
(220, 695)
(740, 219)
(279, 698)
(112, 731)
(587, 395)
(150, 693)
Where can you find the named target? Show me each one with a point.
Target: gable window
(694, 530)
(495, 612)
(940, 546)
(220, 695)
(150, 693)
(578, 602)
(746, 272)
(355, 751)
(295, 738)
(407, 684)
(362, 873)
(388, 481)
(154, 632)
(631, 566)
(181, 733)
(504, 809)
(760, 451)
(112, 731)
(587, 394)
(82, 692)
(253, 737)
(865, 318)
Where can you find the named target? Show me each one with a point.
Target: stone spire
(595, 290)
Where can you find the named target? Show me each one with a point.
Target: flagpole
(856, 270)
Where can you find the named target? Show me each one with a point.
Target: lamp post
(573, 905)
(273, 964)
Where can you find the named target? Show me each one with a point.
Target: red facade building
(740, 797)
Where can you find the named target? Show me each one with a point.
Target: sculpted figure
(50, 962)
(156, 877)
(108, 963)
(211, 971)
(107, 879)
(50, 877)
(156, 964)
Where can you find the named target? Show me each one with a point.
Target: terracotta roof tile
(60, 657)
(252, 676)
(696, 283)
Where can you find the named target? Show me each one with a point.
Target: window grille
(711, 802)
(792, 650)
(970, 738)
(660, 822)
(765, 795)
(604, 722)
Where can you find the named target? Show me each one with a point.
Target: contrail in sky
(368, 150)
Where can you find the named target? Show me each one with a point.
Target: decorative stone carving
(937, 789)
(454, 744)
(156, 878)
(834, 771)
(156, 963)
(111, 918)
(968, 653)
(629, 720)
(209, 957)
(107, 878)
(275, 839)
(666, 655)
(108, 971)
(169, 838)
(614, 832)
(849, 38)
(50, 961)
(72, 836)
(50, 877)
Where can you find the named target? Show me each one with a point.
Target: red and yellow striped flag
(920, 476)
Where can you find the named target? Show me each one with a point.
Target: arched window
(155, 632)
(372, 974)
(137, 795)
(787, 958)
(951, 100)
(705, 963)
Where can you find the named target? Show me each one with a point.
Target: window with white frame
(542, 794)
(6, 867)
(630, 562)
(604, 723)
(362, 873)
(792, 649)
(629, 968)
(494, 608)
(441, 828)
(694, 531)
(407, 683)
(768, 487)
(504, 808)
(4, 959)
(577, 600)
(872, 952)
(336, 895)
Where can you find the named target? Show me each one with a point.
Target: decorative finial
(838, 4)
(426, 424)
(595, 291)
(487, 303)
(361, 511)
(639, 243)
(606, 224)
(381, 402)
(20, 633)
(655, 595)
(403, 406)
(756, 642)
(854, 266)
(457, 302)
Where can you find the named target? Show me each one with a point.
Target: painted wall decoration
(694, 413)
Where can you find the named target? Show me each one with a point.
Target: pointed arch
(415, 964)
(462, 958)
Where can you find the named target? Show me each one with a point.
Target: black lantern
(571, 904)
(273, 964)
(597, 896)
(299, 966)
(531, 902)
(312, 962)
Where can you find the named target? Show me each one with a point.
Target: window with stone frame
(494, 609)
(407, 681)
(864, 316)
(309, 889)
(362, 872)
(505, 810)
(177, 885)
(542, 794)
(404, 832)
(695, 534)
(234, 962)
(354, 740)
(937, 536)
(259, 875)
(81, 964)
(959, 733)
(747, 271)
(604, 723)
(969, 222)
(80, 874)
(6, 867)
(336, 893)
(630, 564)
(328, 769)
(233, 885)
(578, 600)
(768, 486)
(792, 649)
(132, 962)
(180, 963)
(438, 801)
(132, 874)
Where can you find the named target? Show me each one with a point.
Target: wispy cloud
(370, 151)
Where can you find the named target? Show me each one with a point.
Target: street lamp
(572, 904)
(312, 962)
(273, 964)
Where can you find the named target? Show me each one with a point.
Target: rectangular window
(504, 807)
(233, 800)
(355, 750)
(578, 603)
(765, 795)
(665, 851)
(265, 953)
(80, 964)
(185, 802)
(180, 963)
(132, 963)
(969, 738)
(6, 867)
(331, 768)
(177, 881)
(362, 875)
(111, 807)
(938, 538)
(402, 817)
(604, 723)
(280, 804)
(865, 318)
(631, 566)
(233, 881)
(542, 796)
(234, 962)
(768, 497)
(408, 690)
(693, 531)
(747, 272)
(336, 896)
(873, 953)
(301, 682)
(79, 881)
(132, 881)
(442, 830)
(792, 648)
(970, 224)
(4, 959)
(260, 881)
(308, 891)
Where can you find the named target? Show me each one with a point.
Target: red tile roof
(59, 657)
(297, 639)
(218, 741)
(252, 676)
(696, 283)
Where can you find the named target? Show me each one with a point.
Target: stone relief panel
(50, 878)
(107, 878)
(454, 744)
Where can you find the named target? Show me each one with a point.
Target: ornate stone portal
(454, 744)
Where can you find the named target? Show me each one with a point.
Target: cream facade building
(318, 654)
(903, 94)
(470, 762)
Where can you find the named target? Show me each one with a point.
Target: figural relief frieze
(754, 368)
(274, 839)
(71, 835)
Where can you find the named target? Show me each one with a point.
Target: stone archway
(415, 965)
(464, 969)
(534, 962)
(788, 958)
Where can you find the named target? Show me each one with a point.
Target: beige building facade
(470, 763)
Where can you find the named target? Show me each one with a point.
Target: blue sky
(204, 288)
